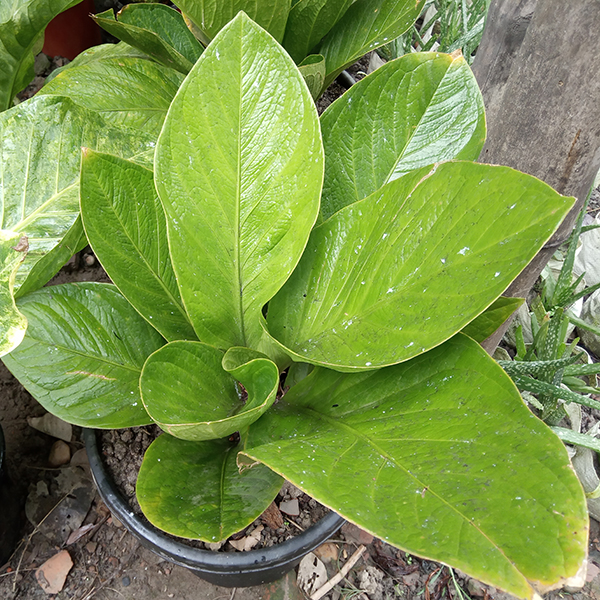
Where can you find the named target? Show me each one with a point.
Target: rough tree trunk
(538, 67)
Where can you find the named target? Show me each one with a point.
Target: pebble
(126, 581)
(89, 260)
(60, 454)
(290, 507)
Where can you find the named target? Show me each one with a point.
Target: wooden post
(538, 67)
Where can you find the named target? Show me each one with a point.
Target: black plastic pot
(10, 523)
(229, 569)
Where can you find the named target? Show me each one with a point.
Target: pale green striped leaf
(83, 353)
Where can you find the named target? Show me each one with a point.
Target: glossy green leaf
(126, 227)
(212, 15)
(13, 323)
(365, 26)
(43, 270)
(194, 489)
(22, 22)
(131, 92)
(157, 30)
(101, 52)
(40, 157)
(399, 272)
(239, 167)
(489, 320)
(422, 108)
(312, 69)
(440, 457)
(309, 22)
(82, 355)
(187, 390)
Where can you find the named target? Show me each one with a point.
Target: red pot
(72, 32)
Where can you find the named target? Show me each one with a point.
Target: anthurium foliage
(346, 253)
(322, 36)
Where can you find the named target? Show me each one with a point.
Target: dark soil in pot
(122, 451)
(229, 569)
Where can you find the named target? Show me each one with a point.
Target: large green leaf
(239, 167)
(82, 355)
(309, 22)
(22, 22)
(195, 490)
(157, 30)
(488, 321)
(440, 457)
(212, 15)
(13, 323)
(189, 389)
(422, 108)
(399, 272)
(40, 157)
(365, 26)
(131, 92)
(125, 225)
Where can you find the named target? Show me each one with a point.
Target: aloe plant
(346, 254)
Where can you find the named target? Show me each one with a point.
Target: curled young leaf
(188, 391)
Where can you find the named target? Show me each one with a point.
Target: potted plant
(257, 246)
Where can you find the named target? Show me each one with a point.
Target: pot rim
(196, 558)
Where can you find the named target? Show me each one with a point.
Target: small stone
(52, 575)
(290, 490)
(476, 588)
(126, 581)
(290, 507)
(91, 547)
(327, 552)
(214, 546)
(89, 260)
(60, 454)
(41, 64)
